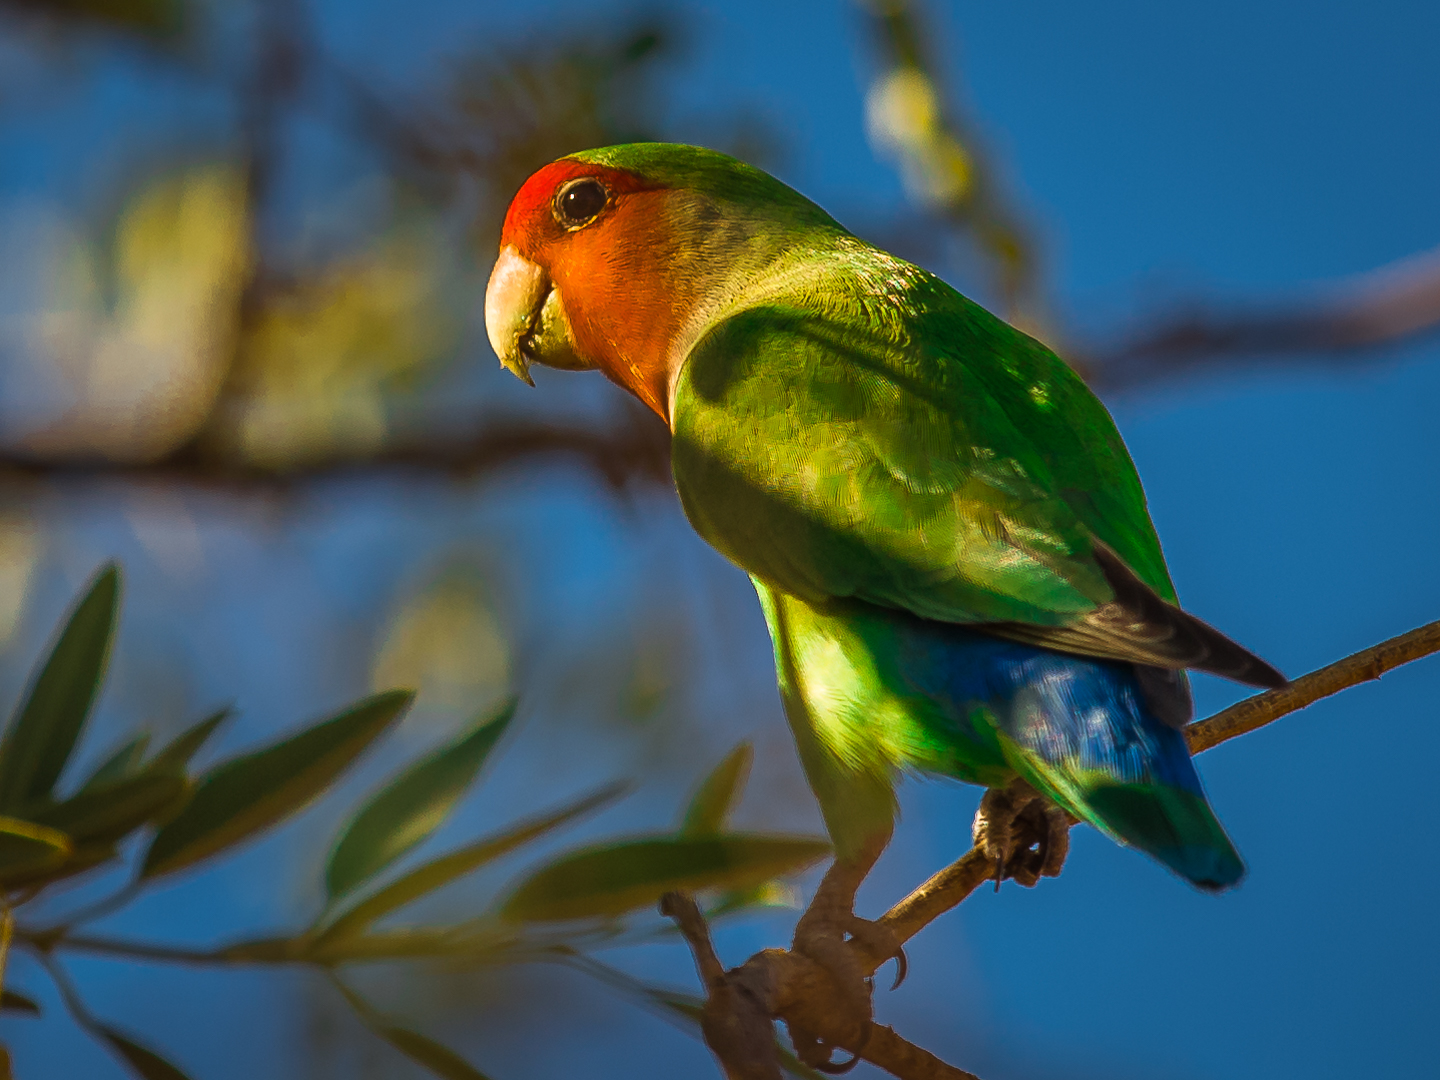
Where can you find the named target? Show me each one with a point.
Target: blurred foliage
(318, 357)
(231, 314)
(153, 814)
(151, 18)
(143, 327)
(19, 552)
(447, 642)
(531, 104)
(945, 170)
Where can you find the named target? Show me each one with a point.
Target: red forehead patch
(529, 211)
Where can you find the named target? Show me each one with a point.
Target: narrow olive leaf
(409, 944)
(439, 1059)
(82, 859)
(12, 1001)
(794, 1066)
(144, 1062)
(686, 1006)
(241, 797)
(176, 755)
(43, 735)
(110, 812)
(718, 793)
(120, 764)
(407, 811)
(768, 894)
(28, 848)
(439, 872)
(608, 881)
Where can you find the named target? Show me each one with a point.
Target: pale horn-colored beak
(512, 305)
(525, 317)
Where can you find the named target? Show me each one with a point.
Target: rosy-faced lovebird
(947, 535)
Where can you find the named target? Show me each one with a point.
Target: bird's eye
(579, 202)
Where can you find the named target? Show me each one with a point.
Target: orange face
(591, 274)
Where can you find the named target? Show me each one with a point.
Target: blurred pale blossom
(446, 642)
(140, 331)
(19, 554)
(320, 359)
(904, 121)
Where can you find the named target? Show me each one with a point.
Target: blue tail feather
(1081, 730)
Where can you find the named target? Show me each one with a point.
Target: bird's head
(611, 259)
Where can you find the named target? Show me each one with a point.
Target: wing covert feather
(868, 432)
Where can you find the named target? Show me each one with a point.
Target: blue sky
(1229, 151)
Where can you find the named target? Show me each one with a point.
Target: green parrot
(948, 538)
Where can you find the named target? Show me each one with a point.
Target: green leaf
(438, 872)
(240, 797)
(689, 1007)
(153, 18)
(176, 754)
(29, 848)
(718, 793)
(412, 807)
(120, 764)
(84, 858)
(410, 943)
(40, 740)
(12, 1001)
(109, 812)
(608, 881)
(768, 894)
(439, 1059)
(145, 1062)
(794, 1066)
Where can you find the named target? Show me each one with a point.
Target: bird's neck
(641, 306)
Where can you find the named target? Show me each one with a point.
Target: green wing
(865, 431)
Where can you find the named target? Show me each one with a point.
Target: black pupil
(582, 201)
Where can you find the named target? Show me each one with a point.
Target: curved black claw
(1026, 835)
(902, 967)
(840, 1068)
(837, 1068)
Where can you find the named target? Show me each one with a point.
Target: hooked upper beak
(525, 318)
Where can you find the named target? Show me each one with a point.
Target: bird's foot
(828, 933)
(1025, 834)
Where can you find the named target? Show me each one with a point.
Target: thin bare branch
(936, 896)
(1256, 712)
(902, 1058)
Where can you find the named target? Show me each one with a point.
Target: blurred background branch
(1354, 321)
(242, 250)
(203, 345)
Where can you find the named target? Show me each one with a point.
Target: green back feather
(853, 427)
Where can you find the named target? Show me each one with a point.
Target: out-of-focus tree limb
(1373, 312)
(628, 452)
(1350, 321)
